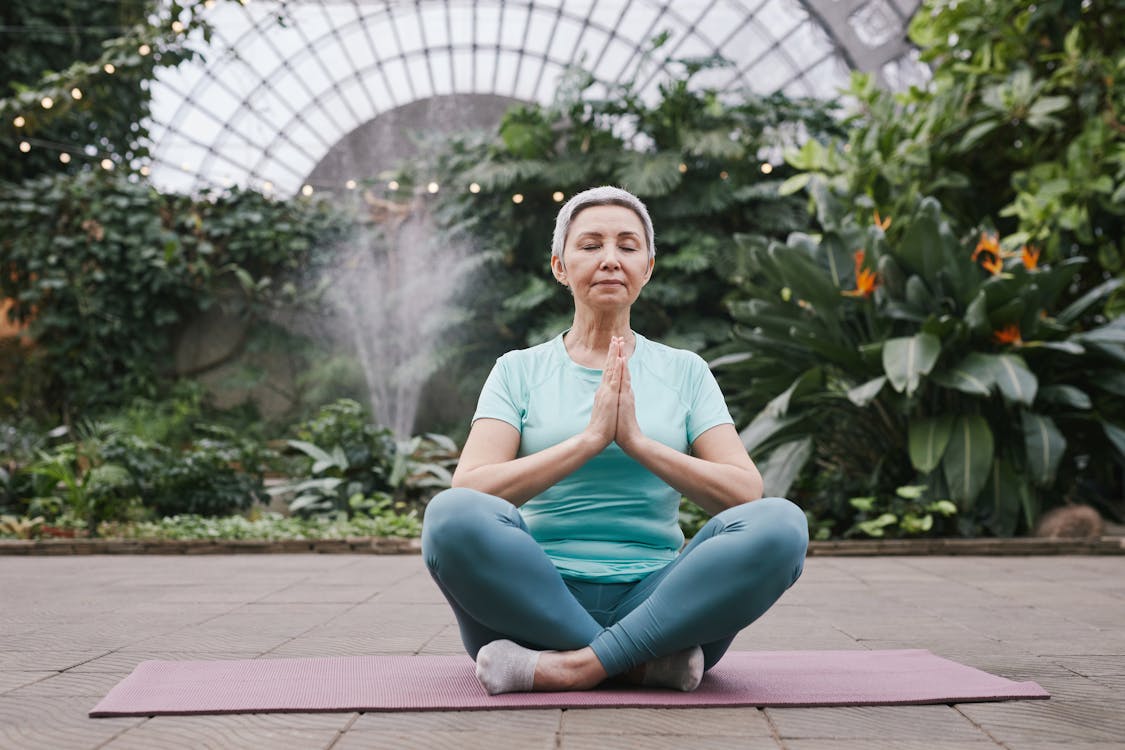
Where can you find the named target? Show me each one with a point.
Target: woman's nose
(610, 258)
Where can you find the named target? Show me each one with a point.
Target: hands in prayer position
(614, 416)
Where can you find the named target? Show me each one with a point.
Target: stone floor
(71, 627)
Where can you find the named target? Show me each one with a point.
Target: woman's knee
(779, 527)
(458, 520)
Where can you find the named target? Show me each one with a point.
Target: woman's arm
(718, 475)
(488, 462)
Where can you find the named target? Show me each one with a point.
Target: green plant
(271, 526)
(906, 513)
(918, 359)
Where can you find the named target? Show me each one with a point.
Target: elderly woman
(558, 546)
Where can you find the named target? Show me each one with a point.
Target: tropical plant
(706, 166)
(927, 358)
(907, 513)
(1022, 127)
(104, 271)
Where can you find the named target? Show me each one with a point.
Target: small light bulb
(185, 166)
(558, 196)
(108, 68)
(145, 170)
(47, 102)
(432, 187)
(144, 49)
(307, 190)
(682, 167)
(64, 157)
(517, 198)
(209, 4)
(107, 164)
(25, 146)
(267, 186)
(177, 27)
(392, 185)
(723, 175)
(474, 188)
(19, 122)
(350, 184)
(76, 93)
(766, 167)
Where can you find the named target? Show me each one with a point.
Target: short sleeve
(501, 398)
(708, 408)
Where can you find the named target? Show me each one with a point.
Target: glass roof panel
(268, 101)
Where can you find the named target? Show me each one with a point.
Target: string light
(517, 198)
(558, 196)
(177, 27)
(145, 170)
(393, 185)
(107, 164)
(19, 122)
(267, 186)
(76, 93)
(723, 175)
(682, 167)
(47, 102)
(350, 184)
(64, 157)
(432, 187)
(108, 68)
(766, 167)
(144, 49)
(25, 146)
(307, 190)
(474, 188)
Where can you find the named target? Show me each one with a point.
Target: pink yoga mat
(435, 683)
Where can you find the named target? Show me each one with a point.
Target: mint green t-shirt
(611, 520)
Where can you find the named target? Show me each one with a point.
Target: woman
(558, 546)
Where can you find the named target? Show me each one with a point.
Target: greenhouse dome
(314, 94)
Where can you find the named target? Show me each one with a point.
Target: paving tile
(207, 737)
(37, 659)
(58, 738)
(92, 684)
(1053, 720)
(881, 744)
(732, 722)
(478, 740)
(126, 661)
(12, 680)
(273, 721)
(664, 742)
(874, 722)
(543, 721)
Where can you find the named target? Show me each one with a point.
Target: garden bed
(400, 546)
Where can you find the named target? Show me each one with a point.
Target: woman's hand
(628, 429)
(603, 417)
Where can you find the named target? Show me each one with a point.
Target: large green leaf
(779, 406)
(864, 394)
(763, 428)
(1116, 437)
(1014, 379)
(1065, 395)
(783, 465)
(1004, 496)
(968, 458)
(1075, 310)
(927, 439)
(921, 248)
(1111, 381)
(907, 359)
(1044, 446)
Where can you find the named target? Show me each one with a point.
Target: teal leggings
(501, 584)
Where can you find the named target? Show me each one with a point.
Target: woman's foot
(507, 667)
(682, 670)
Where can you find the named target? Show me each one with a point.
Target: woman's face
(605, 260)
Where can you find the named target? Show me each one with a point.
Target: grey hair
(600, 196)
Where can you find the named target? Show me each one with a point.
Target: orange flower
(1030, 257)
(1008, 335)
(989, 243)
(883, 224)
(994, 265)
(865, 280)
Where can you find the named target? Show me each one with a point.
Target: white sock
(506, 667)
(682, 670)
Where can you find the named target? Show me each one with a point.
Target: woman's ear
(651, 265)
(558, 269)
